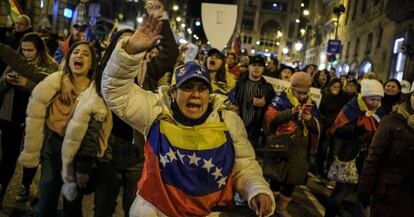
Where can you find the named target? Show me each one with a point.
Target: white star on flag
(217, 173)
(193, 159)
(208, 164)
(222, 181)
(181, 156)
(163, 160)
(171, 154)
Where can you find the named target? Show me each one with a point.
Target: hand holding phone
(307, 108)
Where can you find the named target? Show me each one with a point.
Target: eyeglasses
(300, 93)
(202, 88)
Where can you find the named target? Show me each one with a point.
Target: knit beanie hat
(371, 87)
(301, 81)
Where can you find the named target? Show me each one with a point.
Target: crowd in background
(53, 114)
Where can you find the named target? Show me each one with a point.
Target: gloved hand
(364, 199)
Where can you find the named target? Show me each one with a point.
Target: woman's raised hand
(145, 36)
(155, 8)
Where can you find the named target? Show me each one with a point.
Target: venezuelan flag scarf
(357, 110)
(286, 100)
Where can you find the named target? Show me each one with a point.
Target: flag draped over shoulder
(187, 170)
(12, 9)
(356, 110)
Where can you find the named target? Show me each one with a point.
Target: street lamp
(338, 11)
(302, 31)
(175, 8)
(257, 42)
(285, 50)
(197, 23)
(306, 12)
(297, 21)
(298, 46)
(178, 19)
(279, 34)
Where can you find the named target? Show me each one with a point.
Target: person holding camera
(253, 94)
(292, 121)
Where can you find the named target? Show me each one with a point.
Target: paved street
(308, 201)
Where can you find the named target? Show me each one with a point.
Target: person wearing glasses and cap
(197, 152)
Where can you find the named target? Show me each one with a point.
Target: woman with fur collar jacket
(47, 123)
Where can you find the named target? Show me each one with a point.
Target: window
(369, 43)
(379, 37)
(355, 10)
(364, 7)
(247, 24)
(356, 47)
(291, 29)
(348, 47)
(399, 59)
(347, 12)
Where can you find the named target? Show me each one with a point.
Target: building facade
(376, 36)
(268, 26)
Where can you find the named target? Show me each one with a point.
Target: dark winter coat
(17, 101)
(330, 106)
(389, 169)
(266, 90)
(295, 167)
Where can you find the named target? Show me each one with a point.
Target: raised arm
(165, 60)
(131, 103)
(22, 66)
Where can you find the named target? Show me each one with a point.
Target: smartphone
(307, 108)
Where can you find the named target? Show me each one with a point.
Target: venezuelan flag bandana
(187, 170)
(357, 110)
(286, 100)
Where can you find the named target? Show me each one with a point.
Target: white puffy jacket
(140, 108)
(36, 113)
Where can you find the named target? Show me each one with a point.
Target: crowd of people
(189, 137)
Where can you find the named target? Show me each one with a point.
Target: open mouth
(212, 63)
(78, 64)
(193, 107)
